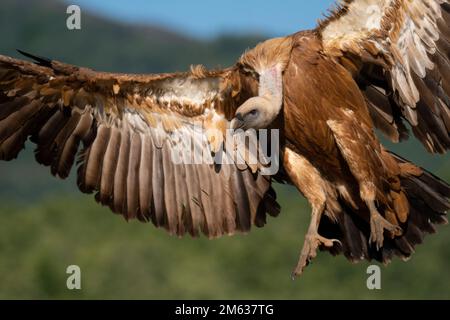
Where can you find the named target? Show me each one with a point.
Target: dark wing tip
(45, 62)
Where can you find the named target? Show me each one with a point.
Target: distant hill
(40, 27)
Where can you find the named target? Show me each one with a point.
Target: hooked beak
(237, 122)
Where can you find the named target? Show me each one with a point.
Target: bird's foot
(377, 226)
(309, 251)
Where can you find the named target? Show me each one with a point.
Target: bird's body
(340, 144)
(371, 64)
(314, 73)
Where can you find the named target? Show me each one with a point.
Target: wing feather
(145, 180)
(120, 178)
(170, 200)
(61, 164)
(409, 40)
(94, 160)
(125, 132)
(194, 196)
(133, 176)
(110, 162)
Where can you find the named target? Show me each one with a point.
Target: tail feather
(418, 190)
(436, 184)
(429, 201)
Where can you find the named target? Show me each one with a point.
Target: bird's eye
(254, 112)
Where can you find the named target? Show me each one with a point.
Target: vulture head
(256, 113)
(268, 60)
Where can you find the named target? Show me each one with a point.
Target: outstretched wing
(132, 128)
(399, 51)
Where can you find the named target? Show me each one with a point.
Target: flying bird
(370, 64)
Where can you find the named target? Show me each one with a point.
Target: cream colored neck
(271, 88)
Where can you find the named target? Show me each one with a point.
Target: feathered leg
(309, 182)
(361, 151)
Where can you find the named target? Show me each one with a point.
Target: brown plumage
(371, 64)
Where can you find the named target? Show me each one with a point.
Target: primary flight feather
(371, 64)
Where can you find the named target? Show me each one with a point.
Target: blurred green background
(46, 224)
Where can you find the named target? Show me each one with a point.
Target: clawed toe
(329, 243)
(309, 251)
(377, 226)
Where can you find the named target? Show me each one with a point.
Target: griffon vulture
(381, 64)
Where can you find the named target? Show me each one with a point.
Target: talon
(377, 226)
(309, 251)
(329, 243)
(293, 275)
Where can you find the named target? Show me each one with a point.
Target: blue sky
(208, 18)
